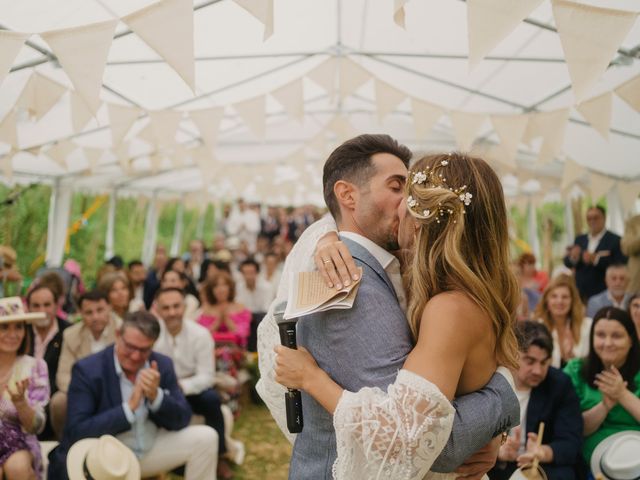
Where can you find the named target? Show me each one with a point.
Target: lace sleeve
(397, 434)
(300, 259)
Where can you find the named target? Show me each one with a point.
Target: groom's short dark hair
(351, 161)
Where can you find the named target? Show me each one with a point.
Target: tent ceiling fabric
(251, 81)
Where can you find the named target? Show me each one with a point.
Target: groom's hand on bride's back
(334, 262)
(480, 462)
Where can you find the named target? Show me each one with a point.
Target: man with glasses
(132, 393)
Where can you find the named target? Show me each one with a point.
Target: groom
(366, 346)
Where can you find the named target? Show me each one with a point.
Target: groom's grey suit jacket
(366, 346)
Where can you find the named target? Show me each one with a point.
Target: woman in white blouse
(463, 299)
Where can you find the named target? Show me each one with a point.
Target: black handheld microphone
(292, 399)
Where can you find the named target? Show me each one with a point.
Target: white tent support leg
(532, 224)
(569, 228)
(176, 241)
(59, 213)
(111, 222)
(150, 231)
(615, 217)
(202, 215)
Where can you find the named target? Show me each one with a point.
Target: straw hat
(103, 458)
(12, 310)
(617, 457)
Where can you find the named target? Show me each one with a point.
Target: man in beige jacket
(630, 246)
(95, 332)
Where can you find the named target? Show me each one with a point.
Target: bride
(462, 304)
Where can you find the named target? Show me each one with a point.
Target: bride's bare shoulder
(456, 309)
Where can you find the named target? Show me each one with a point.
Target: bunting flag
(590, 37)
(630, 92)
(490, 21)
(342, 128)
(425, 116)
(263, 11)
(39, 95)
(208, 123)
(325, 75)
(387, 98)
(121, 119)
(466, 127)
(6, 166)
(551, 127)
(291, 97)
(597, 112)
(153, 23)
(8, 130)
(10, 45)
(164, 125)
(600, 185)
(572, 173)
(318, 143)
(155, 162)
(82, 53)
(398, 12)
(60, 152)
(628, 193)
(253, 112)
(93, 156)
(121, 152)
(80, 112)
(352, 77)
(509, 129)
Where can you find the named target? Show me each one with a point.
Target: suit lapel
(111, 380)
(362, 254)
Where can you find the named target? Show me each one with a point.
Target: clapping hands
(611, 385)
(17, 395)
(146, 386)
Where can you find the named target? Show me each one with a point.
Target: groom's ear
(346, 193)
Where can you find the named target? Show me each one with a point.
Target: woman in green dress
(607, 381)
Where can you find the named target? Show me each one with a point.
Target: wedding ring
(326, 260)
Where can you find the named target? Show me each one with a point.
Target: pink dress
(242, 321)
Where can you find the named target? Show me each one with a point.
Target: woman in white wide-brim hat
(103, 458)
(24, 391)
(617, 457)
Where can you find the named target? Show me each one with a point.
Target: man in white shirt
(244, 223)
(250, 291)
(190, 346)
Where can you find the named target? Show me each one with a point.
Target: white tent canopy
(272, 108)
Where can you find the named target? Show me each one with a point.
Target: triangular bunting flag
(630, 92)
(208, 123)
(551, 126)
(10, 45)
(93, 156)
(628, 193)
(572, 173)
(318, 143)
(325, 75)
(164, 125)
(60, 152)
(8, 131)
(597, 112)
(425, 116)
(466, 127)
(147, 135)
(342, 128)
(82, 53)
(253, 112)
(398, 12)
(263, 11)
(291, 97)
(509, 129)
(352, 76)
(6, 166)
(490, 21)
(121, 152)
(80, 113)
(121, 119)
(600, 185)
(387, 98)
(152, 25)
(590, 37)
(39, 95)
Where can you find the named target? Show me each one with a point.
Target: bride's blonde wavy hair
(462, 242)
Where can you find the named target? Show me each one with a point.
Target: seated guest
(616, 279)
(95, 332)
(530, 277)
(607, 381)
(137, 274)
(546, 395)
(173, 279)
(46, 339)
(152, 282)
(255, 294)
(132, 393)
(634, 311)
(117, 287)
(24, 391)
(271, 272)
(562, 311)
(190, 347)
(227, 320)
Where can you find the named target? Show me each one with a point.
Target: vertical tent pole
(59, 213)
(176, 242)
(534, 240)
(111, 222)
(150, 231)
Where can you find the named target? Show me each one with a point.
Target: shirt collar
(383, 257)
(598, 236)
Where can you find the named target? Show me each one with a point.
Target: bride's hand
(334, 262)
(294, 368)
